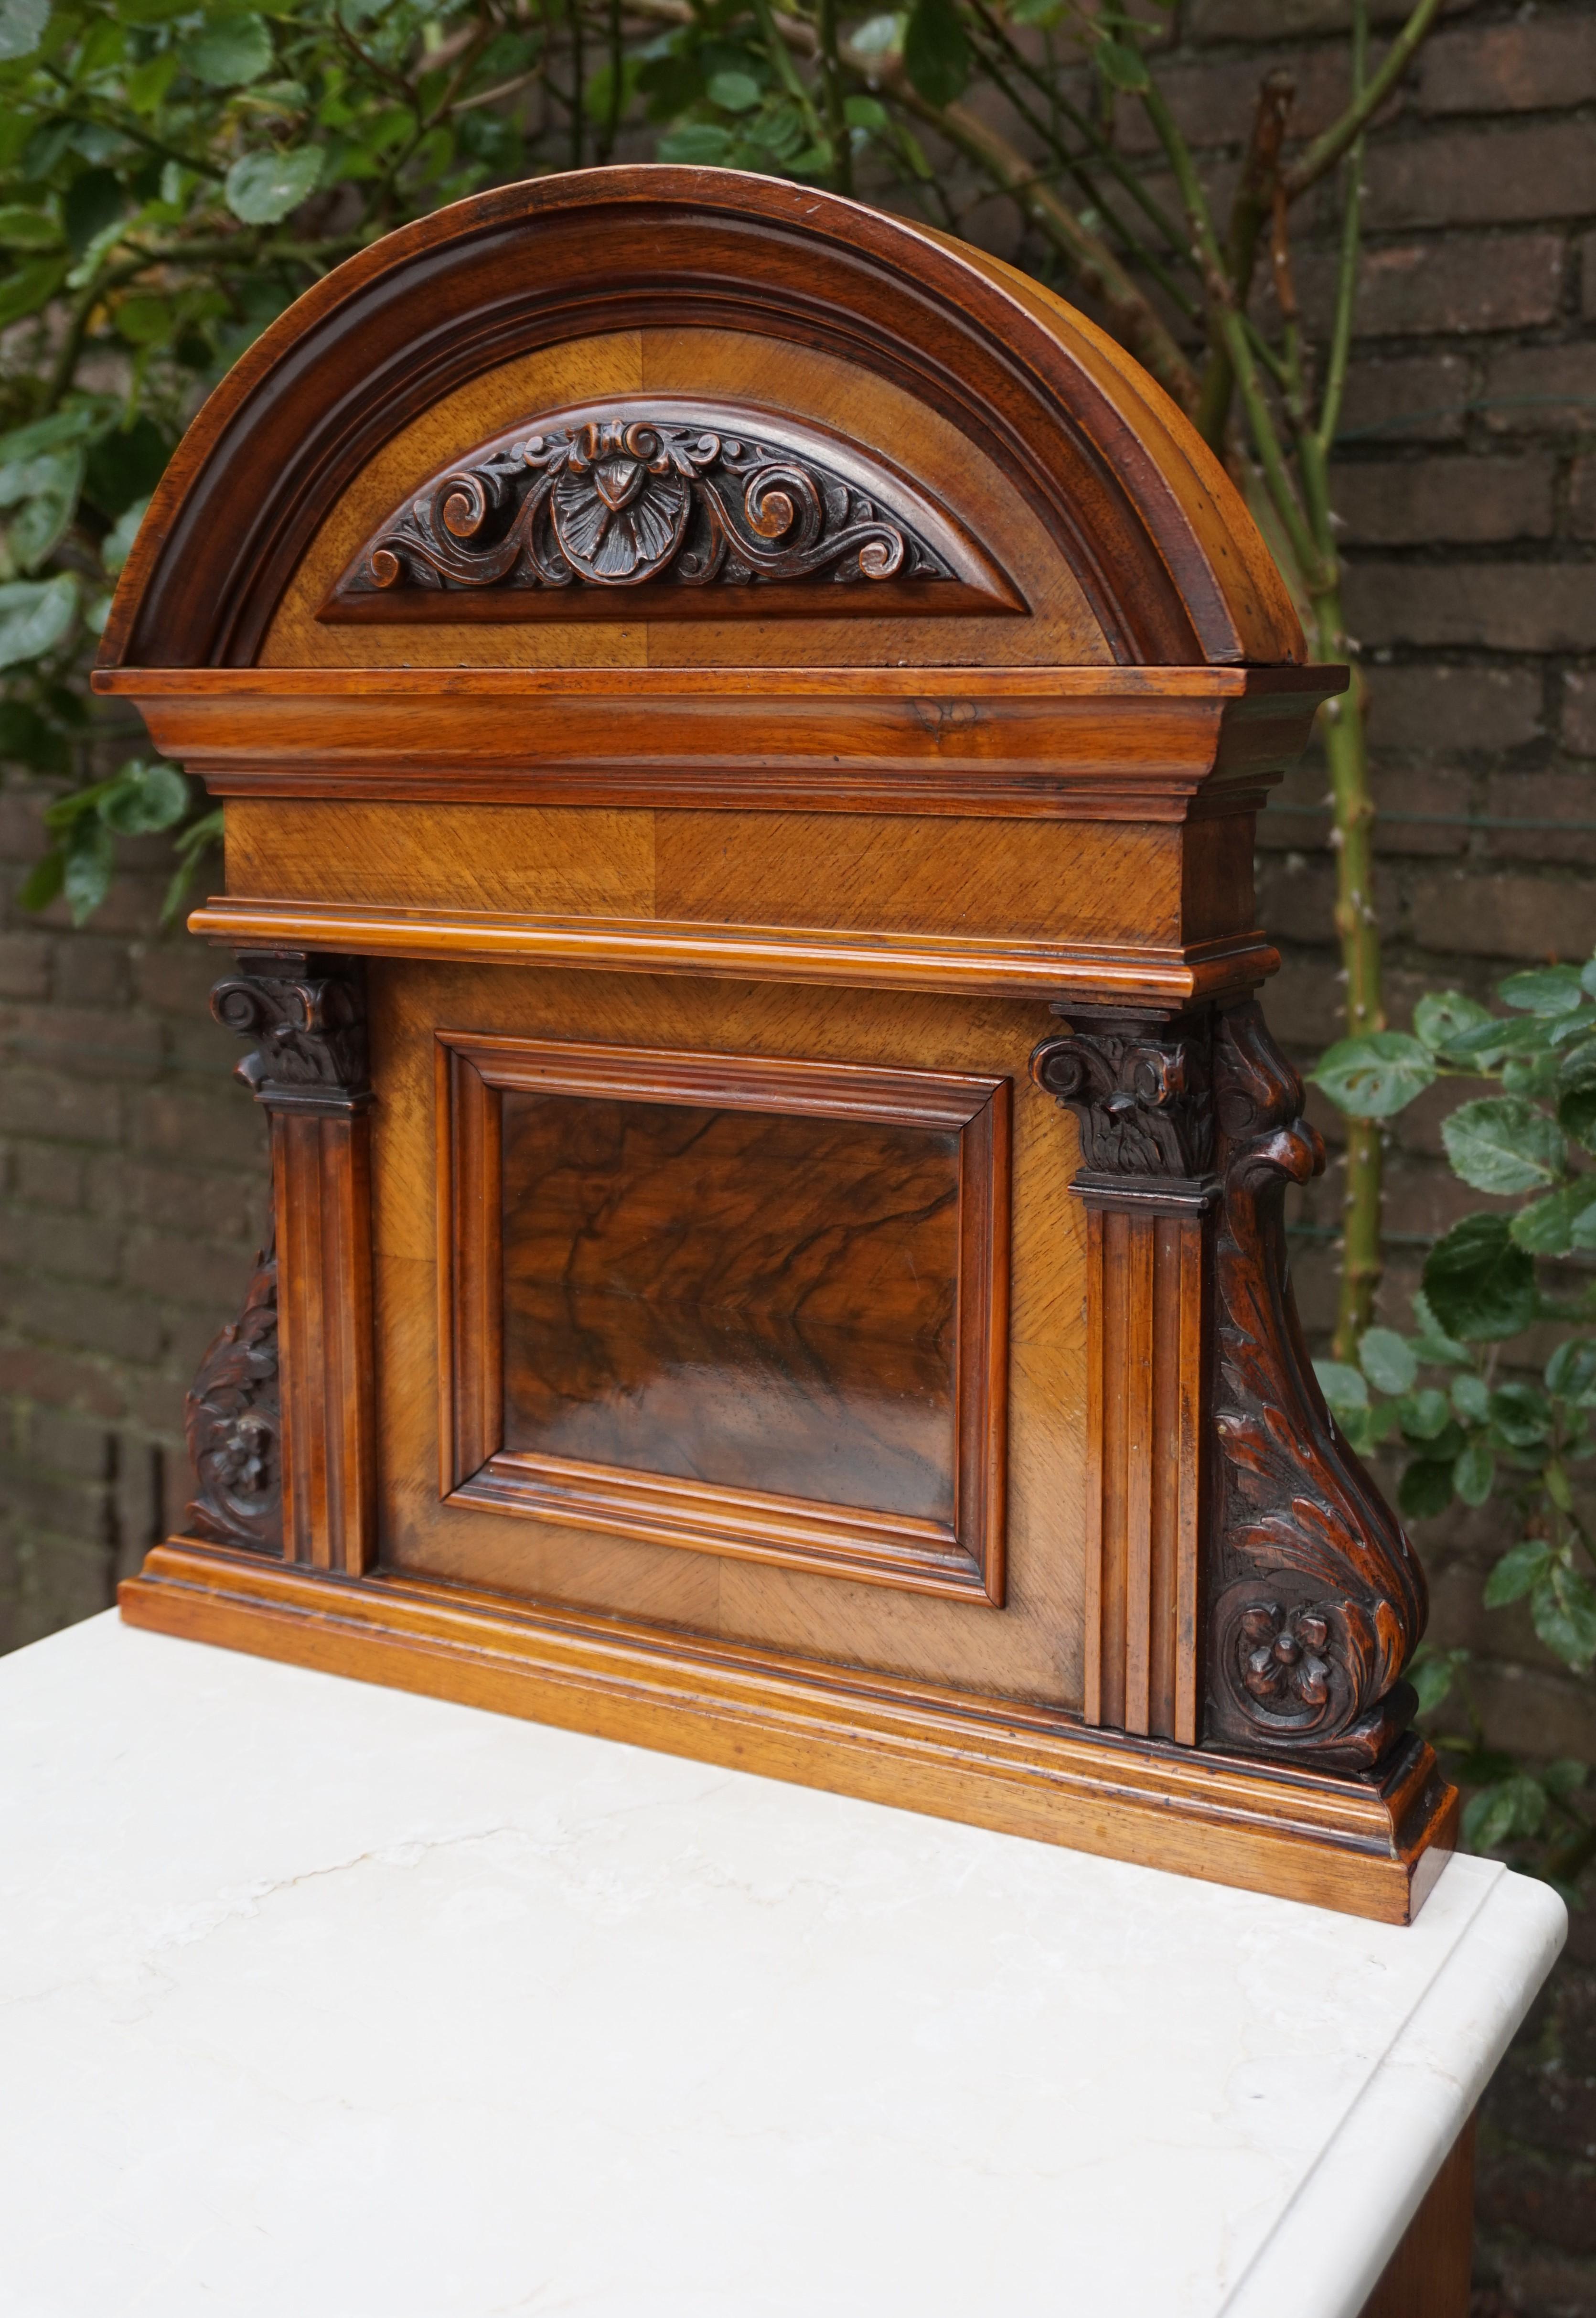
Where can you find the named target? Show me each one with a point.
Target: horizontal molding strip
(1042, 970)
(1115, 744)
(1028, 1769)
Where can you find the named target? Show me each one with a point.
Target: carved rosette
(1140, 1094)
(307, 1018)
(632, 497)
(233, 1424)
(1317, 1600)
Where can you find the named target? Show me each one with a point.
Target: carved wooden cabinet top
(741, 721)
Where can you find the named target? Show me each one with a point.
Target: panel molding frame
(964, 1559)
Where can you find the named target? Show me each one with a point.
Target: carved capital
(1141, 1092)
(307, 1018)
(1316, 1599)
(233, 1424)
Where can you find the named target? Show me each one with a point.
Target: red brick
(49, 1177)
(87, 1041)
(1524, 607)
(34, 1102)
(1511, 176)
(1544, 796)
(35, 1374)
(91, 971)
(205, 1205)
(1214, 103)
(218, 1130)
(24, 966)
(1532, 66)
(188, 1271)
(1588, 277)
(1539, 390)
(121, 1327)
(71, 1445)
(1419, 400)
(1581, 496)
(23, 834)
(84, 1249)
(1421, 812)
(1502, 916)
(1412, 502)
(1465, 282)
(1267, 20)
(1579, 714)
(1453, 708)
(175, 976)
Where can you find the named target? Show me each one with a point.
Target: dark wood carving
(308, 1017)
(667, 509)
(1141, 1094)
(1317, 1598)
(233, 1423)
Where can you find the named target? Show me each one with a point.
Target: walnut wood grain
(1056, 743)
(745, 1305)
(1430, 2275)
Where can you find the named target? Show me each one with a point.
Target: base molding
(1368, 1846)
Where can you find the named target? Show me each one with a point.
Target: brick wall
(133, 1182)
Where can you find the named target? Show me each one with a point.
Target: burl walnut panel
(759, 1302)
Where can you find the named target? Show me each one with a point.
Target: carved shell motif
(631, 496)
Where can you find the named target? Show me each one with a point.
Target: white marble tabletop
(327, 2000)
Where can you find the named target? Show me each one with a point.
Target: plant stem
(841, 141)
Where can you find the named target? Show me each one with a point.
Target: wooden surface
(752, 678)
(1431, 2273)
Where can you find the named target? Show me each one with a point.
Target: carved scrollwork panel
(1141, 1095)
(578, 509)
(233, 1423)
(1317, 1600)
(307, 1018)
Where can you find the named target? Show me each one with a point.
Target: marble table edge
(1416, 2103)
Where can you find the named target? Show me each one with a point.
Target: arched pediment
(1134, 509)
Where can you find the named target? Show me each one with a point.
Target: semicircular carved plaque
(668, 509)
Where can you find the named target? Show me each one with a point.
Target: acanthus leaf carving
(307, 1018)
(233, 1423)
(1141, 1096)
(641, 494)
(1316, 1599)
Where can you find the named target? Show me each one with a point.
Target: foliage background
(1465, 490)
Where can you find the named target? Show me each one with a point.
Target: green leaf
(94, 201)
(1426, 1416)
(263, 187)
(143, 798)
(1387, 1361)
(1488, 1041)
(1570, 1372)
(1588, 976)
(697, 140)
(27, 739)
(229, 51)
(90, 860)
(1376, 1075)
(48, 489)
(1341, 1385)
(1546, 1227)
(1564, 1609)
(1565, 1777)
(22, 293)
(1471, 1397)
(118, 543)
(1432, 1346)
(1522, 1414)
(865, 112)
(734, 92)
(1503, 1143)
(1432, 1674)
(1498, 1814)
(1121, 66)
(936, 54)
(42, 883)
(22, 27)
(1576, 1116)
(35, 614)
(1545, 989)
(1479, 1284)
(1474, 1476)
(22, 228)
(126, 464)
(1426, 1489)
(879, 36)
(1442, 1014)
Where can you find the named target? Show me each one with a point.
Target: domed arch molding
(1142, 514)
